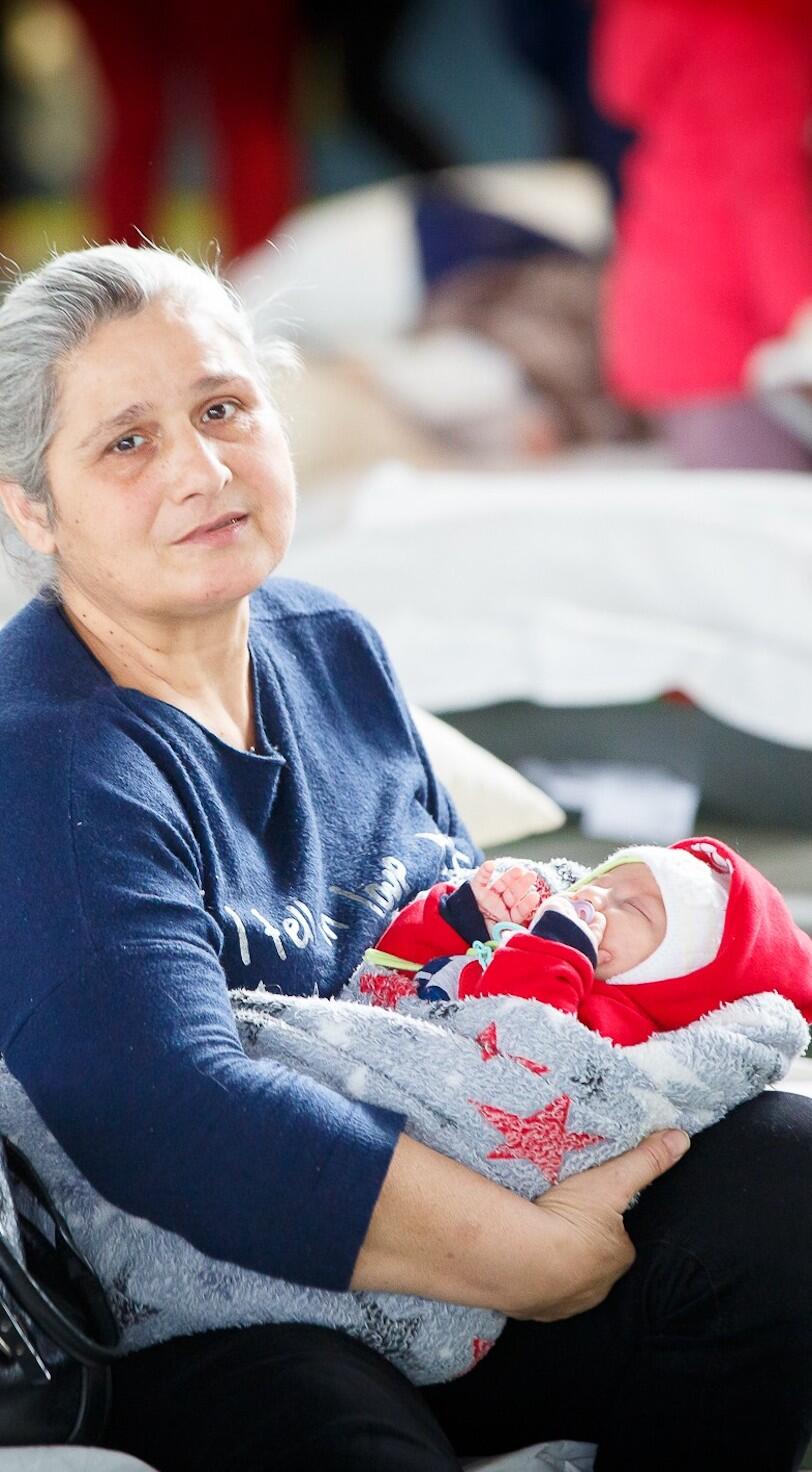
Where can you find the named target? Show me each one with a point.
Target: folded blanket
(515, 1089)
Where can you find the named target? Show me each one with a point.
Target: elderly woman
(211, 781)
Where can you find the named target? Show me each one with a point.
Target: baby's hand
(510, 895)
(593, 926)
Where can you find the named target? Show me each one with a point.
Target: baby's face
(631, 904)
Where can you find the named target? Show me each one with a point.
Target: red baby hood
(762, 949)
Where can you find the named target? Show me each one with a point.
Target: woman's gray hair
(52, 311)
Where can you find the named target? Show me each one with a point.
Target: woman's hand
(442, 1231)
(585, 1220)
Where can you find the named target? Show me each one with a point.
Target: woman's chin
(225, 580)
(224, 592)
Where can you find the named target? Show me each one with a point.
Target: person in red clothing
(714, 235)
(238, 65)
(651, 940)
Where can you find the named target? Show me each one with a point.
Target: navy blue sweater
(146, 867)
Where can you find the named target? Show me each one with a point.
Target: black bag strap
(34, 1300)
(17, 1343)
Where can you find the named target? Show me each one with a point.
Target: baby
(652, 939)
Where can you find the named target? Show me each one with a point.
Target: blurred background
(440, 82)
(593, 215)
(548, 266)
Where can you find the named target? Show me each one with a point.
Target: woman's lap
(276, 1398)
(701, 1356)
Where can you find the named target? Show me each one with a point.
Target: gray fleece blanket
(512, 1088)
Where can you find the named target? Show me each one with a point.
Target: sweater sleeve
(529, 966)
(121, 1031)
(436, 923)
(552, 925)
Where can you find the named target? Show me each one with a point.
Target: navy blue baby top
(146, 867)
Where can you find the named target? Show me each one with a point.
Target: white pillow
(497, 804)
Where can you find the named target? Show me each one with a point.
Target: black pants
(701, 1357)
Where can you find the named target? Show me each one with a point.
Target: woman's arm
(215, 1143)
(441, 1231)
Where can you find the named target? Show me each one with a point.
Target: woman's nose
(196, 467)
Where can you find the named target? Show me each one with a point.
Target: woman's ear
(30, 518)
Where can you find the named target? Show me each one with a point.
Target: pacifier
(584, 909)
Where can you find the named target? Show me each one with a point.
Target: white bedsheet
(576, 585)
(581, 585)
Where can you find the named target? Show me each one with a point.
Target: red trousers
(241, 57)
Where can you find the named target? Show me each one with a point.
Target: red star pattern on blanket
(529, 1063)
(386, 989)
(479, 1349)
(489, 1048)
(542, 1138)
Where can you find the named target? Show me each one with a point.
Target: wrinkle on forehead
(209, 349)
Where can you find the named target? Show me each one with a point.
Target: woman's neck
(200, 665)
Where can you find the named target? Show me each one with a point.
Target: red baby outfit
(761, 950)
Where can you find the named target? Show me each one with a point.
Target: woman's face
(172, 484)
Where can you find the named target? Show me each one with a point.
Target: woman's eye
(128, 443)
(221, 412)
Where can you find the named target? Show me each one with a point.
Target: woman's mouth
(217, 533)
